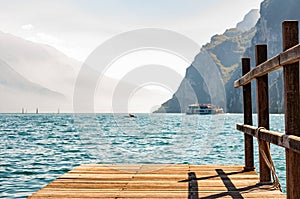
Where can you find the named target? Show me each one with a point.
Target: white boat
(203, 109)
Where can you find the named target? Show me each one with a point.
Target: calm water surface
(37, 148)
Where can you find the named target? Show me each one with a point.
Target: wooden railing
(289, 61)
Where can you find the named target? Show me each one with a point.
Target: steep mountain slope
(39, 63)
(249, 20)
(18, 92)
(273, 13)
(35, 75)
(212, 68)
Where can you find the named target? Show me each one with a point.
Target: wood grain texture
(247, 99)
(290, 56)
(262, 101)
(287, 141)
(157, 181)
(290, 35)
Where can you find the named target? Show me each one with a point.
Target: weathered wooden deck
(157, 181)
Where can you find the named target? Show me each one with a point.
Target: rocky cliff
(227, 49)
(206, 79)
(268, 31)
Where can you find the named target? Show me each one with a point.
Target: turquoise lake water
(37, 148)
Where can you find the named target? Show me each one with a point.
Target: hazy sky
(77, 27)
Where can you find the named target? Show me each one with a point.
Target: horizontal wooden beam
(289, 56)
(287, 141)
(262, 69)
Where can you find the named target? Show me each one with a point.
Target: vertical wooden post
(248, 139)
(290, 37)
(262, 94)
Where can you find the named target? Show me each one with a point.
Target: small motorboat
(130, 115)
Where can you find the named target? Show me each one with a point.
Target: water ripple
(37, 148)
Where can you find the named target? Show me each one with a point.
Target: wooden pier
(195, 181)
(157, 181)
(290, 139)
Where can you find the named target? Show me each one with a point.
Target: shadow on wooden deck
(231, 189)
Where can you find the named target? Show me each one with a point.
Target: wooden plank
(173, 166)
(195, 182)
(290, 56)
(261, 70)
(142, 182)
(98, 176)
(213, 167)
(164, 171)
(290, 36)
(287, 141)
(207, 194)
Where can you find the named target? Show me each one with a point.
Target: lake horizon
(37, 148)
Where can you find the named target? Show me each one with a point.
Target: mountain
(17, 92)
(39, 63)
(206, 79)
(249, 20)
(268, 31)
(35, 75)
